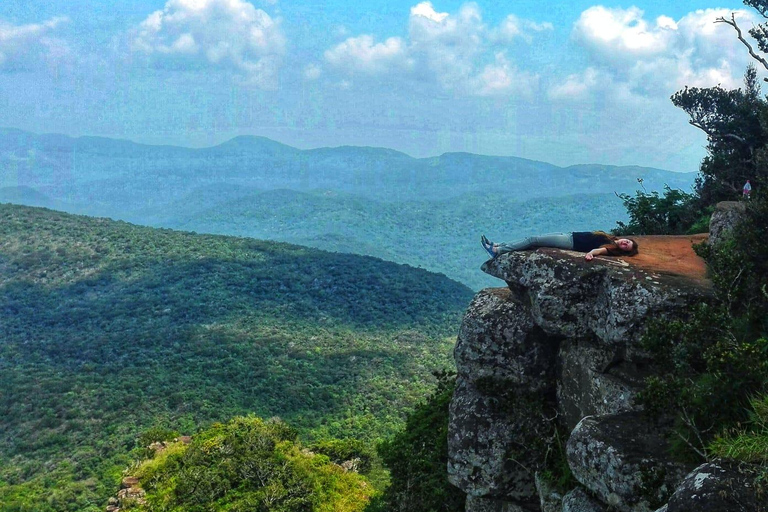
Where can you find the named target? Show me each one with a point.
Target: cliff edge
(556, 355)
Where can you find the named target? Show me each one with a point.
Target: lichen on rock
(559, 343)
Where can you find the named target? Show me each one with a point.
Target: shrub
(249, 464)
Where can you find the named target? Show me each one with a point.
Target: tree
(734, 122)
(674, 213)
(759, 32)
(736, 125)
(715, 364)
(417, 458)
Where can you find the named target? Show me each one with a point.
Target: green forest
(283, 362)
(110, 330)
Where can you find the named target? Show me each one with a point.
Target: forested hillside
(441, 236)
(109, 329)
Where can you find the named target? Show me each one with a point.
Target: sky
(562, 82)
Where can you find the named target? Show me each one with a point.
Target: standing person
(747, 190)
(594, 243)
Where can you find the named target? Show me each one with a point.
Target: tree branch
(712, 133)
(688, 421)
(732, 22)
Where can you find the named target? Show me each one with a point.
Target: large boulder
(595, 380)
(562, 342)
(720, 487)
(578, 500)
(499, 341)
(504, 400)
(726, 215)
(608, 300)
(624, 460)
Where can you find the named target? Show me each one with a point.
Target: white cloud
(658, 57)
(503, 78)
(312, 72)
(578, 86)
(514, 27)
(362, 54)
(25, 47)
(425, 10)
(620, 33)
(457, 51)
(448, 50)
(223, 33)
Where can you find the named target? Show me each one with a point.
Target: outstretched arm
(595, 252)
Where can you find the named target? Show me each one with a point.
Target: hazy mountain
(116, 176)
(27, 196)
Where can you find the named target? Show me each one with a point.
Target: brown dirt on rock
(672, 255)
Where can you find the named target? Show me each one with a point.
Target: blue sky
(563, 82)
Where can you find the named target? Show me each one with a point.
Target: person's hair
(613, 248)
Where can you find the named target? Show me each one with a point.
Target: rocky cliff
(555, 356)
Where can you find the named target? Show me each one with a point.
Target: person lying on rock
(594, 243)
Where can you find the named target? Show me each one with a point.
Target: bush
(249, 464)
(343, 450)
(674, 213)
(713, 362)
(750, 443)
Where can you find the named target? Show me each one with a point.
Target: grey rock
(623, 461)
(593, 382)
(549, 499)
(559, 343)
(491, 442)
(578, 500)
(604, 300)
(504, 399)
(498, 340)
(720, 487)
(480, 504)
(726, 215)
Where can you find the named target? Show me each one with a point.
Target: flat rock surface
(667, 259)
(670, 255)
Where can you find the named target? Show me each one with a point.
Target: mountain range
(426, 212)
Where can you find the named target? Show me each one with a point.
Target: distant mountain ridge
(112, 173)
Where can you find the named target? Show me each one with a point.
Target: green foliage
(716, 360)
(739, 266)
(343, 450)
(750, 443)
(249, 464)
(674, 213)
(735, 124)
(417, 458)
(110, 329)
(709, 368)
(156, 434)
